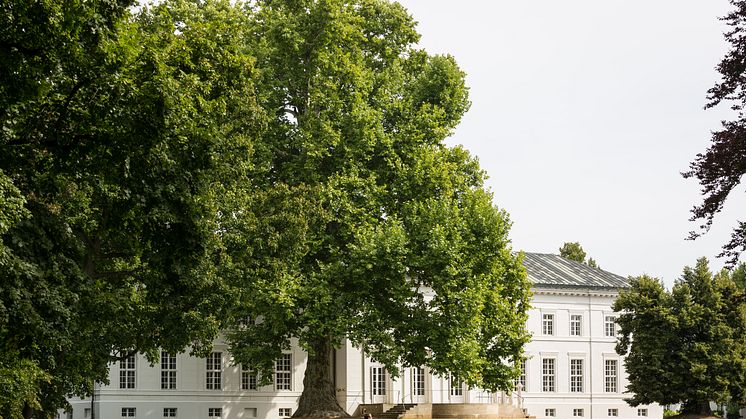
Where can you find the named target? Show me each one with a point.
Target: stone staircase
(395, 411)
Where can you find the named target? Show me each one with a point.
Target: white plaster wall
(592, 346)
(353, 381)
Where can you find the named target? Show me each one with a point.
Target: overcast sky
(584, 113)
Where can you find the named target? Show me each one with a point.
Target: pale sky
(584, 113)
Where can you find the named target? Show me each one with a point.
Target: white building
(572, 370)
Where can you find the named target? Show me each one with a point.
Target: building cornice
(577, 292)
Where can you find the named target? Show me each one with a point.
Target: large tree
(720, 168)
(685, 346)
(123, 140)
(371, 229)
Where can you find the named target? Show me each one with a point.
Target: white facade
(572, 371)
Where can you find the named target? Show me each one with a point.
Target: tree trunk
(319, 399)
(696, 407)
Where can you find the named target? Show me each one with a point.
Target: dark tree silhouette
(719, 170)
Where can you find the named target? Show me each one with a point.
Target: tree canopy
(685, 346)
(720, 168)
(275, 168)
(122, 142)
(574, 251)
(372, 230)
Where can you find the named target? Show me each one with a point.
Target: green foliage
(123, 140)
(371, 229)
(685, 346)
(281, 159)
(574, 251)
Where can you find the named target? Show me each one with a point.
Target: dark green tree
(720, 168)
(372, 230)
(124, 141)
(685, 346)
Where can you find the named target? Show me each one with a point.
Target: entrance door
(418, 385)
(456, 390)
(378, 384)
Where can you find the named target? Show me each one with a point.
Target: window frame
(284, 372)
(611, 375)
(577, 375)
(378, 380)
(547, 324)
(576, 324)
(418, 381)
(168, 371)
(214, 371)
(128, 372)
(456, 387)
(610, 326)
(549, 375)
(248, 378)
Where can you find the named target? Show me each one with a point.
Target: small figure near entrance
(367, 415)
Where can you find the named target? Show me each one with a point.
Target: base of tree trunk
(318, 399)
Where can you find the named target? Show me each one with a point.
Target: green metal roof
(555, 271)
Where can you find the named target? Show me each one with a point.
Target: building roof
(546, 270)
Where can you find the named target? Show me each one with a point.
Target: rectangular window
(576, 375)
(285, 412)
(576, 322)
(550, 413)
(168, 371)
(547, 324)
(248, 378)
(169, 412)
(215, 412)
(614, 412)
(127, 372)
(214, 371)
(283, 372)
(547, 374)
(128, 412)
(642, 412)
(457, 387)
(610, 375)
(520, 383)
(249, 412)
(418, 381)
(378, 381)
(578, 413)
(87, 412)
(610, 326)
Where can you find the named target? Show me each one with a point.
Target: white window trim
(221, 382)
(582, 321)
(554, 374)
(290, 373)
(552, 313)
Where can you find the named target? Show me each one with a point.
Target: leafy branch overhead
(720, 168)
(171, 172)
